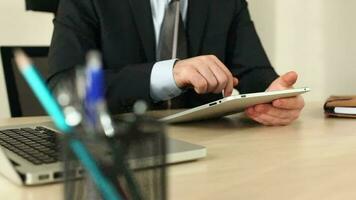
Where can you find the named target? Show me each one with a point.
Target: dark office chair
(21, 99)
(42, 5)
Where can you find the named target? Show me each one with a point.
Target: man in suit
(222, 52)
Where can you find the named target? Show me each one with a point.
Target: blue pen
(95, 104)
(94, 94)
(41, 91)
(95, 78)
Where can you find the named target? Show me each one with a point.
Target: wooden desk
(314, 158)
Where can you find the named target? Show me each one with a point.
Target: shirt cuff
(163, 86)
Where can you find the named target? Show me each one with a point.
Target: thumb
(285, 81)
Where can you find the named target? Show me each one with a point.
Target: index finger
(223, 67)
(230, 84)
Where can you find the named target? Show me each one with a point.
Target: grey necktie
(172, 42)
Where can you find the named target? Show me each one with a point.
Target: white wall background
(316, 38)
(313, 37)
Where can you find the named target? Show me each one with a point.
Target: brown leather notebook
(340, 106)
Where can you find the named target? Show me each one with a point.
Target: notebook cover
(339, 101)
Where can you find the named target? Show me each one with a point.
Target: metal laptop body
(230, 105)
(22, 172)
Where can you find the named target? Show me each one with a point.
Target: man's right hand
(206, 74)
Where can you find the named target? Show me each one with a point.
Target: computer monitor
(22, 101)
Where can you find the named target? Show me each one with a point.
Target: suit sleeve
(76, 31)
(246, 57)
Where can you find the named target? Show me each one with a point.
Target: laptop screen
(28, 103)
(22, 101)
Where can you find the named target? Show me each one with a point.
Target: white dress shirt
(162, 85)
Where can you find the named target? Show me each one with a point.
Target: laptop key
(50, 160)
(35, 161)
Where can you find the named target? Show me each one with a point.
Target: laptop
(29, 154)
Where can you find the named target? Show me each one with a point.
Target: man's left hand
(281, 111)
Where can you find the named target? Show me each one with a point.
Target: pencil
(40, 89)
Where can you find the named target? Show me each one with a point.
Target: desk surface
(314, 158)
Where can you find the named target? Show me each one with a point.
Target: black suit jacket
(123, 31)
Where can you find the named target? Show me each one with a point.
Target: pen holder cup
(133, 161)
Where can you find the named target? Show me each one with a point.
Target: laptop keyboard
(37, 145)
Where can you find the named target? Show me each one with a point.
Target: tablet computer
(231, 105)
